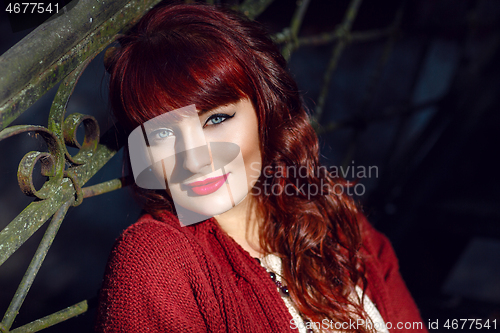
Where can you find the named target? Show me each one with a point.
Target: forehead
(173, 117)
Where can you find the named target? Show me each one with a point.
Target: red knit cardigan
(162, 277)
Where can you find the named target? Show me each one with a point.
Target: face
(208, 162)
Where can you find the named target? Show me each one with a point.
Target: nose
(195, 155)
(196, 159)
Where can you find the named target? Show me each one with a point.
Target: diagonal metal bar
(34, 266)
(295, 25)
(253, 8)
(31, 219)
(36, 213)
(60, 103)
(53, 319)
(106, 187)
(19, 89)
(16, 233)
(50, 41)
(356, 37)
(337, 50)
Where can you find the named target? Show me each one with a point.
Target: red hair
(179, 55)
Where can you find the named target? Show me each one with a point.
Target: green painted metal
(53, 50)
(59, 49)
(36, 213)
(110, 185)
(53, 319)
(295, 24)
(50, 41)
(34, 266)
(343, 33)
(253, 8)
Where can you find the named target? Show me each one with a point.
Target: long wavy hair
(179, 55)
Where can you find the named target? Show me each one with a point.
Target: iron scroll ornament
(66, 174)
(59, 134)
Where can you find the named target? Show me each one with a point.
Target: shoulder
(150, 234)
(377, 247)
(149, 278)
(151, 246)
(386, 287)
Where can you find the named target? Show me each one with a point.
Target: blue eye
(217, 119)
(163, 134)
(160, 134)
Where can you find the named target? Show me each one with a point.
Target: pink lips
(207, 186)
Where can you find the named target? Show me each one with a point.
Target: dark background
(428, 120)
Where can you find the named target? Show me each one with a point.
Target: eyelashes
(162, 134)
(217, 119)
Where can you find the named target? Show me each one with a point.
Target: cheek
(253, 166)
(163, 169)
(253, 160)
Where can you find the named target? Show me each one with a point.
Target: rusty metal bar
(109, 186)
(356, 37)
(53, 50)
(34, 266)
(25, 224)
(337, 50)
(253, 8)
(53, 319)
(298, 17)
(50, 41)
(36, 213)
(30, 220)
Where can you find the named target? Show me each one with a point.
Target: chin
(192, 210)
(195, 209)
(214, 209)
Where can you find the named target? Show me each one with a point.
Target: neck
(241, 224)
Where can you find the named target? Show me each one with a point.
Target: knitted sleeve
(154, 283)
(386, 287)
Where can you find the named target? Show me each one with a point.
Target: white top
(272, 263)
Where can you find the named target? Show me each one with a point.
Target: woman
(219, 121)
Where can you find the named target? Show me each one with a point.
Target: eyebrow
(160, 121)
(220, 108)
(202, 112)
